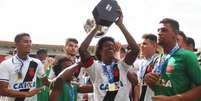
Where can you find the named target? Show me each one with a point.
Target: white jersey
(140, 67)
(9, 72)
(101, 83)
(51, 75)
(83, 80)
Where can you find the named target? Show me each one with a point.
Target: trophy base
(99, 34)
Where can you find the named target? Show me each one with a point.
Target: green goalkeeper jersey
(181, 72)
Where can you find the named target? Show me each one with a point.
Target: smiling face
(24, 45)
(108, 50)
(105, 49)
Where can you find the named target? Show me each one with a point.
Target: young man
(190, 44)
(18, 74)
(71, 48)
(47, 62)
(178, 68)
(181, 39)
(62, 87)
(109, 76)
(145, 65)
(120, 54)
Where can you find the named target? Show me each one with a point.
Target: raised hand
(119, 21)
(117, 46)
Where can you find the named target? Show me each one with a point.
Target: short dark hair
(151, 37)
(41, 51)
(19, 36)
(173, 23)
(99, 45)
(190, 41)
(181, 33)
(59, 60)
(71, 40)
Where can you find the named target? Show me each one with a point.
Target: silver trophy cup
(90, 23)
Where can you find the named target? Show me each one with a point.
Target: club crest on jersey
(31, 72)
(24, 85)
(170, 69)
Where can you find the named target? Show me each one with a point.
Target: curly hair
(59, 60)
(99, 46)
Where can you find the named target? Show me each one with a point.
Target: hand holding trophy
(105, 13)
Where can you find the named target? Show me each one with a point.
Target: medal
(19, 75)
(112, 87)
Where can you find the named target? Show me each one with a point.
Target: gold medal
(112, 87)
(19, 75)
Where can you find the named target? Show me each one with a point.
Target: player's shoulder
(186, 53)
(36, 60)
(7, 61)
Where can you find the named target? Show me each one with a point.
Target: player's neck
(22, 56)
(169, 47)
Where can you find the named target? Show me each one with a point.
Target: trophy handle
(90, 23)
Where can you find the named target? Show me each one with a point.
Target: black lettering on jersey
(29, 77)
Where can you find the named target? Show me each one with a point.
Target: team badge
(31, 72)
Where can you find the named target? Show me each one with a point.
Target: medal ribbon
(163, 60)
(108, 71)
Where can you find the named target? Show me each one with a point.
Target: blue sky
(52, 21)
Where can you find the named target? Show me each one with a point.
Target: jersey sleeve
(4, 72)
(136, 67)
(52, 74)
(90, 68)
(124, 66)
(193, 68)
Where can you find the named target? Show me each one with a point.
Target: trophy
(105, 13)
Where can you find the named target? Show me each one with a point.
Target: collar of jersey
(16, 59)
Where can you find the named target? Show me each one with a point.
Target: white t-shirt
(100, 81)
(83, 80)
(51, 75)
(9, 73)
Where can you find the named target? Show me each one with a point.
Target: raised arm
(58, 83)
(88, 88)
(131, 56)
(84, 54)
(68, 72)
